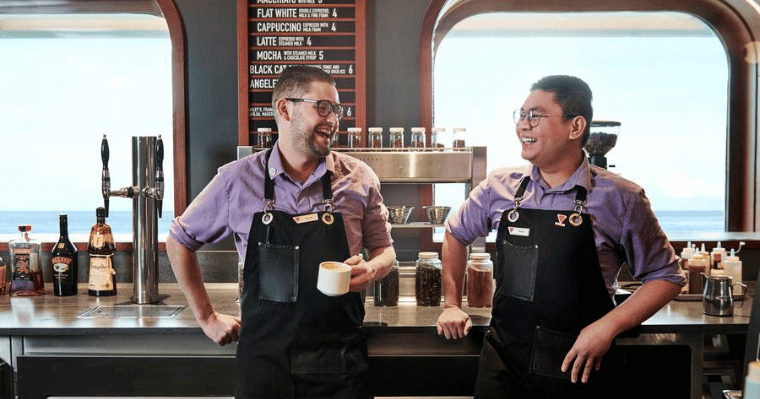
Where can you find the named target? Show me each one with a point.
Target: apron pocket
(330, 362)
(278, 273)
(518, 277)
(548, 352)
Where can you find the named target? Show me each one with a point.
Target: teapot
(717, 296)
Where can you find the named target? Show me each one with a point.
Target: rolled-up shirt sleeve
(472, 219)
(375, 226)
(649, 254)
(206, 220)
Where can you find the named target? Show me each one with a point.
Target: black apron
(296, 341)
(549, 287)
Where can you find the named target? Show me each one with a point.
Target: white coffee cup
(333, 278)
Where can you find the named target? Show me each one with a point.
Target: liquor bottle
(101, 248)
(65, 262)
(4, 277)
(26, 275)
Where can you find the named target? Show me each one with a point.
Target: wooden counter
(34, 330)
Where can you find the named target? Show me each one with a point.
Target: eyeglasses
(532, 115)
(323, 107)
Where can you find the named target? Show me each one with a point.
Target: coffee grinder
(603, 137)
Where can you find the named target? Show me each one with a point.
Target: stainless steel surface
(132, 311)
(717, 297)
(399, 214)
(406, 166)
(436, 214)
(144, 222)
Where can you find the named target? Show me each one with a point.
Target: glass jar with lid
(458, 134)
(427, 282)
(375, 139)
(354, 137)
(436, 137)
(397, 137)
(480, 281)
(418, 137)
(386, 289)
(265, 137)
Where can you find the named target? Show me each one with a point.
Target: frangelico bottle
(65, 262)
(101, 248)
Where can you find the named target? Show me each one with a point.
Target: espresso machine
(146, 192)
(603, 138)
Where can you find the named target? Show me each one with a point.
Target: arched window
(674, 78)
(78, 73)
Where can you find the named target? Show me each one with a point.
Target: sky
(669, 93)
(60, 96)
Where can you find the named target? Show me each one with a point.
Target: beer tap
(124, 192)
(157, 192)
(105, 185)
(147, 196)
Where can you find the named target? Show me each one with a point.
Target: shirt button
(272, 172)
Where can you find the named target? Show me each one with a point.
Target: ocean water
(46, 222)
(674, 223)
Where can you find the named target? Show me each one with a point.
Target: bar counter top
(48, 331)
(48, 314)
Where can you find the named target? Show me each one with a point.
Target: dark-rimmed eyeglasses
(533, 116)
(323, 107)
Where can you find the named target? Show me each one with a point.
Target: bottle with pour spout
(732, 266)
(716, 256)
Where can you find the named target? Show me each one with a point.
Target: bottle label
(101, 273)
(21, 270)
(3, 277)
(61, 264)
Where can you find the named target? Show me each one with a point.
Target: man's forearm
(381, 259)
(641, 305)
(186, 269)
(454, 257)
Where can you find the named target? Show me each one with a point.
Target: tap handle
(106, 177)
(160, 173)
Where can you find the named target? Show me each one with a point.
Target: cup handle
(744, 290)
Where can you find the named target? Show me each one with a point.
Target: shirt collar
(276, 168)
(581, 177)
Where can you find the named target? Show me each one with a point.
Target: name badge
(519, 231)
(312, 217)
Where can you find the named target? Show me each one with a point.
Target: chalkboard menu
(274, 34)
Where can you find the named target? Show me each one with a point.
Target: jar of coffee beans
(428, 279)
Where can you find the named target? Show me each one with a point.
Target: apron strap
(269, 183)
(580, 197)
(580, 202)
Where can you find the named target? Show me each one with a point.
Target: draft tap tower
(147, 192)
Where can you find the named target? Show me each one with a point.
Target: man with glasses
(564, 230)
(290, 208)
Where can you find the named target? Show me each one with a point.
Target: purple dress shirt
(227, 204)
(625, 228)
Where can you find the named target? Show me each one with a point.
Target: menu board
(274, 34)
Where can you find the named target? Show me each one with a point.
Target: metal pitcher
(718, 297)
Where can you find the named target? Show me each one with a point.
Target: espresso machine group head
(146, 192)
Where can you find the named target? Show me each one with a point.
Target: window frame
(730, 23)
